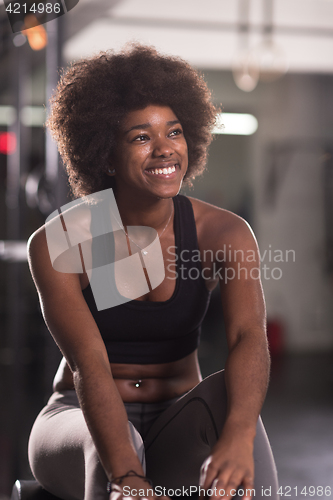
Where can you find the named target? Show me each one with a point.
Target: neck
(153, 212)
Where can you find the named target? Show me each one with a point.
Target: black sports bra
(144, 332)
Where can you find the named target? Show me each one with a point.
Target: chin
(169, 192)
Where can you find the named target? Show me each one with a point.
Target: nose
(162, 147)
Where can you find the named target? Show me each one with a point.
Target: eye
(141, 137)
(177, 131)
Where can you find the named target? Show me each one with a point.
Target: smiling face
(151, 157)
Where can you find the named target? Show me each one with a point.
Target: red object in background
(275, 337)
(7, 143)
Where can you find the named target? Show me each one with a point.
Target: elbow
(253, 339)
(91, 369)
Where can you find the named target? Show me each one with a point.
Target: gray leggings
(177, 437)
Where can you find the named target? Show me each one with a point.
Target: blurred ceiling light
(33, 116)
(13, 251)
(37, 36)
(235, 124)
(19, 40)
(271, 60)
(7, 115)
(245, 71)
(269, 56)
(267, 61)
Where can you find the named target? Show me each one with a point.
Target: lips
(165, 170)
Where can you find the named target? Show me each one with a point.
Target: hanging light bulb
(271, 60)
(269, 56)
(36, 34)
(245, 71)
(267, 61)
(19, 40)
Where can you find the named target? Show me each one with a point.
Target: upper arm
(63, 306)
(239, 276)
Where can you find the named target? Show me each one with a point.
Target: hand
(134, 488)
(229, 466)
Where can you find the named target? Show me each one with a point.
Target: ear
(111, 172)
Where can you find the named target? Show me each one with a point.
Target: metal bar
(15, 322)
(219, 26)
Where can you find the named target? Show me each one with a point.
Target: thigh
(62, 455)
(57, 443)
(182, 437)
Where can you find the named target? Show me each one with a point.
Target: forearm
(107, 420)
(246, 375)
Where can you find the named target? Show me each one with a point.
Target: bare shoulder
(37, 246)
(218, 226)
(49, 270)
(39, 259)
(53, 247)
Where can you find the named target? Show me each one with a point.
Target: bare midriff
(144, 383)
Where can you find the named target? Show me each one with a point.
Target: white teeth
(166, 170)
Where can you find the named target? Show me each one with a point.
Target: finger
(116, 494)
(201, 493)
(203, 472)
(238, 485)
(244, 487)
(225, 485)
(234, 483)
(208, 473)
(217, 489)
(248, 486)
(222, 492)
(205, 477)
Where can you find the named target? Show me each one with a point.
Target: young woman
(129, 403)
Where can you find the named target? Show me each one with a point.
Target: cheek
(139, 154)
(185, 148)
(186, 159)
(128, 160)
(185, 151)
(145, 150)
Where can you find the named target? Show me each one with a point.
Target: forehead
(153, 115)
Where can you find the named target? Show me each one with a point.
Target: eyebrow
(147, 125)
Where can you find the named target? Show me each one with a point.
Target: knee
(35, 451)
